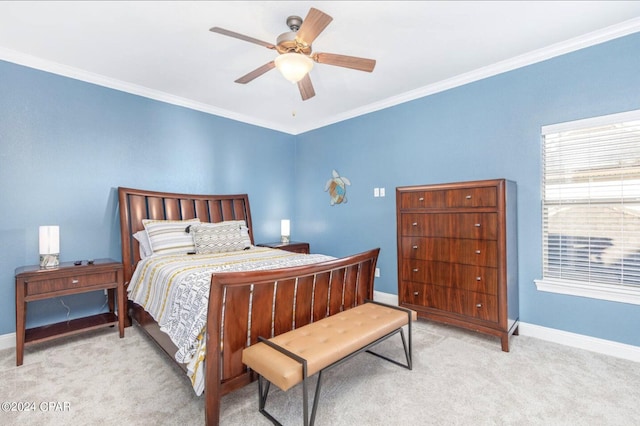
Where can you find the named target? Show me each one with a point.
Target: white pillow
(221, 237)
(170, 236)
(143, 243)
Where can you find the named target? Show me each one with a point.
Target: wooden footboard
(245, 305)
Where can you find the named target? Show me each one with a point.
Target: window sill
(614, 293)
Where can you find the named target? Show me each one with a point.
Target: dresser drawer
(479, 226)
(472, 197)
(474, 252)
(481, 279)
(451, 225)
(464, 251)
(412, 293)
(423, 199)
(482, 306)
(424, 271)
(72, 282)
(432, 296)
(426, 225)
(446, 299)
(426, 248)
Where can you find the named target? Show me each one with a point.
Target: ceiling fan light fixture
(293, 66)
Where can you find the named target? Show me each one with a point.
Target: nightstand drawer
(72, 282)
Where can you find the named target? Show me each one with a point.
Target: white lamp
(294, 66)
(49, 246)
(285, 230)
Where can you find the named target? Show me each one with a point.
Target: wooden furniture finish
(301, 294)
(457, 254)
(35, 283)
(293, 246)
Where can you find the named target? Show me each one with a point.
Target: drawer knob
(478, 278)
(415, 247)
(421, 199)
(477, 225)
(477, 251)
(74, 281)
(414, 224)
(415, 293)
(415, 269)
(468, 197)
(479, 305)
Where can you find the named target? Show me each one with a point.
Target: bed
(265, 292)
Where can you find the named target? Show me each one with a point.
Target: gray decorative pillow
(221, 237)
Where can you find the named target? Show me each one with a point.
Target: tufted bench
(292, 357)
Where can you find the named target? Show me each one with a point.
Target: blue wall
(62, 140)
(483, 130)
(65, 146)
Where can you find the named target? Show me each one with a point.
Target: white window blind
(591, 203)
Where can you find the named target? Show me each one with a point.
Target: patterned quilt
(174, 289)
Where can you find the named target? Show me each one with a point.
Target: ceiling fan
(295, 58)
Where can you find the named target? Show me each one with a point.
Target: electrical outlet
(376, 192)
(377, 274)
(382, 192)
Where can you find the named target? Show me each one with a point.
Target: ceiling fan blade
(360, 64)
(256, 73)
(315, 22)
(242, 37)
(306, 88)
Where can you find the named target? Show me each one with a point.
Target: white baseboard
(580, 341)
(7, 341)
(390, 299)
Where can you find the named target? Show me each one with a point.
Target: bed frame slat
(261, 311)
(284, 306)
(304, 292)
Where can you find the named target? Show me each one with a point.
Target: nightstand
(294, 246)
(35, 283)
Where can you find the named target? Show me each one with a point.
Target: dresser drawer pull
(479, 305)
(415, 269)
(477, 251)
(421, 199)
(74, 281)
(478, 278)
(415, 293)
(477, 225)
(415, 247)
(414, 224)
(468, 197)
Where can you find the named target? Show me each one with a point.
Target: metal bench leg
(316, 398)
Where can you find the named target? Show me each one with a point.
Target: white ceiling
(164, 49)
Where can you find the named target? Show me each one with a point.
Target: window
(591, 208)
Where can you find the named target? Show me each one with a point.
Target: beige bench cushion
(322, 343)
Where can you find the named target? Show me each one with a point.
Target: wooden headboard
(137, 204)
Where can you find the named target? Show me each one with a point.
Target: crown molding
(610, 33)
(577, 43)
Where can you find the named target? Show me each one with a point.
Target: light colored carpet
(458, 378)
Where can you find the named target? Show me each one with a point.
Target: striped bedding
(174, 289)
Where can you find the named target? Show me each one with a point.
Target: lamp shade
(285, 230)
(49, 245)
(293, 66)
(49, 239)
(285, 227)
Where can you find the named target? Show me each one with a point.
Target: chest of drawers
(457, 254)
